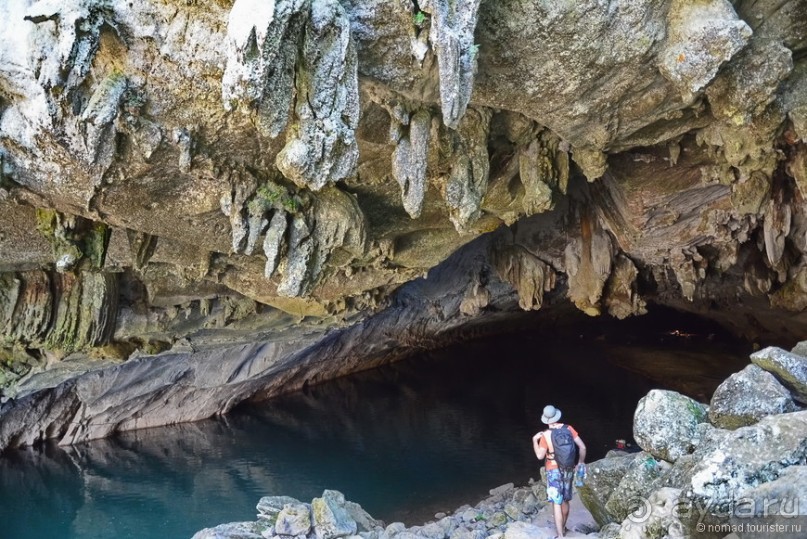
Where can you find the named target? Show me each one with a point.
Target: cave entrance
(419, 435)
(406, 440)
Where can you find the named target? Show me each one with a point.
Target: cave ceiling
(171, 169)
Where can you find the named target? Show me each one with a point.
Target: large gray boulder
(364, 521)
(800, 349)
(602, 478)
(746, 397)
(331, 518)
(727, 472)
(611, 531)
(270, 506)
(435, 530)
(789, 368)
(656, 516)
(665, 424)
(780, 504)
(233, 530)
(640, 479)
(730, 478)
(294, 519)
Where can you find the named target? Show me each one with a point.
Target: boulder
(665, 424)
(800, 349)
(746, 397)
(779, 505)
(499, 518)
(364, 521)
(513, 510)
(435, 530)
(270, 506)
(602, 478)
(727, 470)
(530, 505)
(706, 433)
(789, 368)
(331, 518)
(233, 530)
(503, 489)
(656, 517)
(468, 515)
(293, 519)
(680, 472)
(639, 481)
(394, 529)
(467, 533)
(610, 531)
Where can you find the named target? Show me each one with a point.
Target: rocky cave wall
(190, 175)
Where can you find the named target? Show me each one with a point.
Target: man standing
(557, 444)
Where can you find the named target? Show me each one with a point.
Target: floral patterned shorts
(559, 485)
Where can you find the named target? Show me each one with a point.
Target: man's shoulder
(567, 426)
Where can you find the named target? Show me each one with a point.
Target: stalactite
(409, 162)
(452, 38)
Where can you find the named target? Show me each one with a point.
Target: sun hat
(551, 414)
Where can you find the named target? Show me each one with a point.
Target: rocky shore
(509, 512)
(736, 467)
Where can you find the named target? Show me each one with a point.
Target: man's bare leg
(560, 521)
(564, 509)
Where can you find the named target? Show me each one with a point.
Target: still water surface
(407, 440)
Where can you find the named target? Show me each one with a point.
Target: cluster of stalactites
(294, 62)
(299, 233)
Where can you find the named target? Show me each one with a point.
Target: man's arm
(540, 452)
(582, 447)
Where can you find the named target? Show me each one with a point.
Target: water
(404, 441)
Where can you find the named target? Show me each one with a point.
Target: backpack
(564, 449)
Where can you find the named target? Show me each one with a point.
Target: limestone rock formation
(331, 518)
(638, 482)
(750, 474)
(724, 473)
(665, 423)
(293, 519)
(509, 511)
(746, 397)
(790, 369)
(195, 175)
(602, 478)
(786, 499)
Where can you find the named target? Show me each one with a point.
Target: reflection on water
(405, 441)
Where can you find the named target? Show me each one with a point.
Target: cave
(210, 207)
(407, 440)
